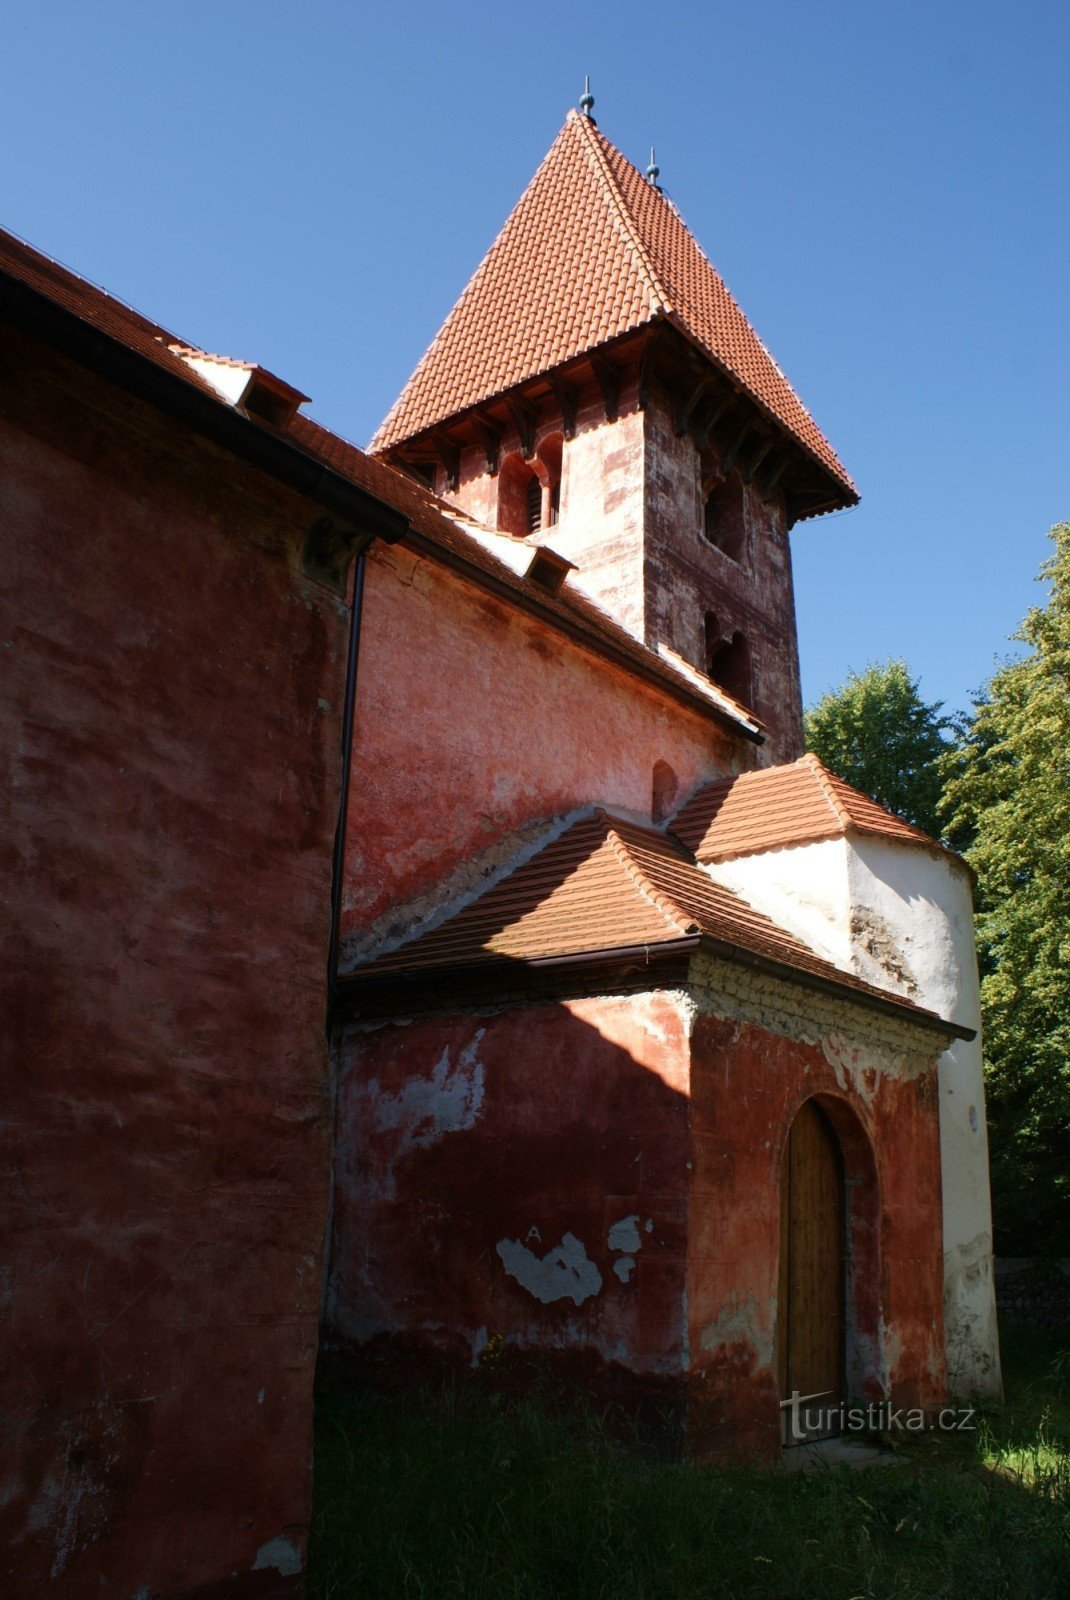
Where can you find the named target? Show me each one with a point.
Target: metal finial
(587, 98)
(653, 172)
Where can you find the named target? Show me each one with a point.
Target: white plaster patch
(278, 1555)
(427, 1108)
(566, 1273)
(624, 1267)
(624, 1235)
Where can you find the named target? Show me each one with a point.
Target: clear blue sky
(883, 186)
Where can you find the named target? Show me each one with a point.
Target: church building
(426, 933)
(659, 1051)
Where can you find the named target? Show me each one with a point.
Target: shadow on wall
(544, 1179)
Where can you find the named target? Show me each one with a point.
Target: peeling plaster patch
(849, 1034)
(567, 1273)
(624, 1268)
(740, 1321)
(891, 1349)
(426, 1109)
(852, 1072)
(260, 1398)
(533, 1233)
(648, 1225)
(883, 945)
(624, 1235)
(278, 1555)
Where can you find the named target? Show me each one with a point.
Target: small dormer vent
(548, 570)
(270, 399)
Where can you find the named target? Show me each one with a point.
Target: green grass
(471, 1493)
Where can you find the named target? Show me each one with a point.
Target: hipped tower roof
(593, 250)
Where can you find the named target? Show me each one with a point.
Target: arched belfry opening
(728, 660)
(529, 489)
(724, 522)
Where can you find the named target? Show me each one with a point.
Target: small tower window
(663, 791)
(730, 666)
(724, 516)
(529, 491)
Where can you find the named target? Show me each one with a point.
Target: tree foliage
(881, 736)
(1007, 803)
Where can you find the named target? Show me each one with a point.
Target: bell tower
(597, 389)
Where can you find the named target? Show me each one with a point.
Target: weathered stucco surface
(926, 898)
(476, 724)
(598, 1181)
(761, 1048)
(901, 916)
(171, 712)
(494, 1172)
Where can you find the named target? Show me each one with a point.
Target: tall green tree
(1007, 803)
(878, 733)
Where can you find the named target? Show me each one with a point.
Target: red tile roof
(591, 251)
(782, 806)
(606, 885)
(429, 517)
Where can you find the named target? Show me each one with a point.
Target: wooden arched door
(812, 1284)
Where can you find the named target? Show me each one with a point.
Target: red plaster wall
(747, 1085)
(475, 721)
(170, 721)
(455, 1133)
(632, 522)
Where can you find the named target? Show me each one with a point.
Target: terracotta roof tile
(782, 806)
(603, 885)
(591, 251)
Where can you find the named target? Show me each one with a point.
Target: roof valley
(672, 913)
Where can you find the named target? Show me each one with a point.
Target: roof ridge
(627, 224)
(678, 920)
(836, 805)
